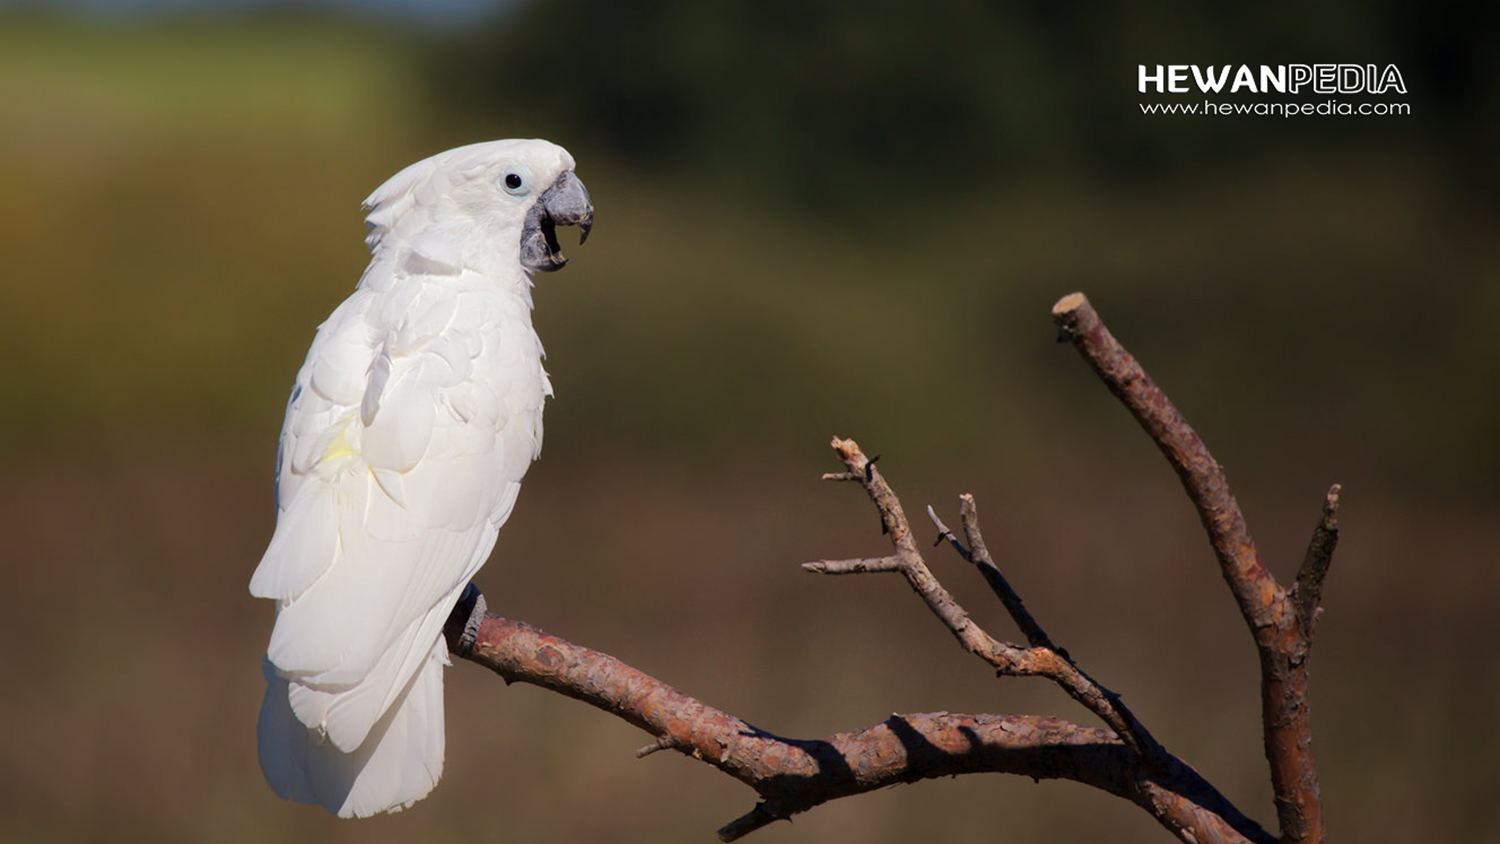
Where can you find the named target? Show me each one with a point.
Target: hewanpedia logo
(1266, 81)
(1281, 78)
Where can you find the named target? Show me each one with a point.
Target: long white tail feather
(398, 764)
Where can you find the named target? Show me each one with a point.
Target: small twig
(908, 560)
(760, 815)
(968, 514)
(1044, 660)
(663, 743)
(1308, 592)
(945, 533)
(980, 557)
(861, 566)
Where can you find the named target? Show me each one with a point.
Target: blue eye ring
(515, 179)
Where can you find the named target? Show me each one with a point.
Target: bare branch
(794, 775)
(864, 566)
(1308, 591)
(1008, 659)
(968, 513)
(1282, 632)
(979, 555)
(663, 743)
(1038, 660)
(945, 534)
(1254, 589)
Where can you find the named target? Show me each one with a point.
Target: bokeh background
(813, 219)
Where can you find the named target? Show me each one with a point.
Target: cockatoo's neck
(461, 249)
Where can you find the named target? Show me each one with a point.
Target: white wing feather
(411, 494)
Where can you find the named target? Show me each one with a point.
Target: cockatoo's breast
(488, 380)
(432, 381)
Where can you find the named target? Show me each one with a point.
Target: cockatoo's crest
(422, 186)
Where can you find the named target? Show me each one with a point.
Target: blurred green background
(812, 219)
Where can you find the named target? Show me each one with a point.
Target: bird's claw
(471, 609)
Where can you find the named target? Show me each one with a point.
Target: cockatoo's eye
(516, 180)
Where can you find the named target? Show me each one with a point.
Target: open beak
(566, 203)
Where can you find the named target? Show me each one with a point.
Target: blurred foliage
(213, 171)
(836, 108)
(811, 220)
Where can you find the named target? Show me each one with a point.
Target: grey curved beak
(565, 203)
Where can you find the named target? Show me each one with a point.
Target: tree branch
(794, 775)
(1281, 630)
(862, 566)
(1007, 659)
(979, 555)
(1256, 592)
(1308, 591)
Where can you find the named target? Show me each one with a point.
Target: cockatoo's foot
(470, 609)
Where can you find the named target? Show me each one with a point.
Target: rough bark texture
(794, 775)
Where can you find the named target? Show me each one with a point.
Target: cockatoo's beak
(566, 203)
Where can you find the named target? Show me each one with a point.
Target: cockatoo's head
(496, 199)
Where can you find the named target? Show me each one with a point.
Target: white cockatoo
(410, 426)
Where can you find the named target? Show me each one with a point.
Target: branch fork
(1280, 621)
(1040, 658)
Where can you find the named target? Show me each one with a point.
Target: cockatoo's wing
(392, 489)
(393, 485)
